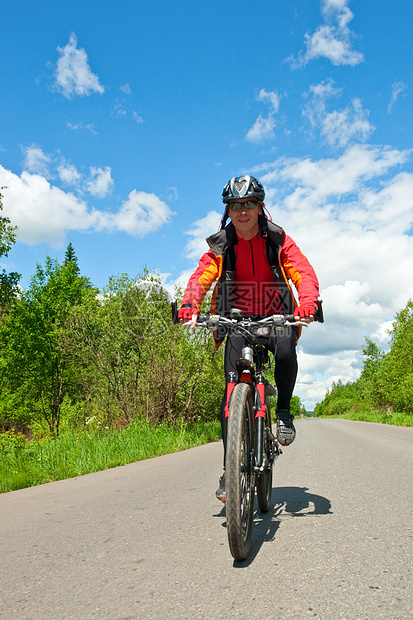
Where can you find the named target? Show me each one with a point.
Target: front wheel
(264, 479)
(239, 474)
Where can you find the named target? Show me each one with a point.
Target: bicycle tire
(264, 479)
(239, 473)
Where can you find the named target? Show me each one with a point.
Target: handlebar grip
(319, 314)
(174, 309)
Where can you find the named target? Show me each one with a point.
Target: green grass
(398, 419)
(25, 464)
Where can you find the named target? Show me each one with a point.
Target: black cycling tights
(282, 342)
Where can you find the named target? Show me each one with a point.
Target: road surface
(148, 540)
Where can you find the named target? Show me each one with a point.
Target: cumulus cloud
(36, 160)
(198, 232)
(330, 178)
(350, 215)
(343, 126)
(44, 213)
(139, 215)
(73, 73)
(100, 182)
(263, 128)
(337, 127)
(69, 174)
(332, 40)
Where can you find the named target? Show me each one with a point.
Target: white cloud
(44, 213)
(398, 88)
(138, 119)
(139, 215)
(79, 126)
(119, 109)
(172, 193)
(263, 128)
(199, 231)
(343, 126)
(338, 127)
(333, 5)
(36, 161)
(69, 174)
(73, 74)
(272, 97)
(325, 89)
(126, 89)
(329, 178)
(100, 182)
(333, 39)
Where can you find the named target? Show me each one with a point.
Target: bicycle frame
(250, 368)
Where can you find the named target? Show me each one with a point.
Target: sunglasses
(237, 206)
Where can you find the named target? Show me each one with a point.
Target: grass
(25, 464)
(398, 419)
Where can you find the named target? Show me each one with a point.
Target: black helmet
(243, 187)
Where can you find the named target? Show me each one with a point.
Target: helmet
(243, 187)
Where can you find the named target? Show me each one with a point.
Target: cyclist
(254, 261)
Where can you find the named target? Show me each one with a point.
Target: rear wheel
(264, 479)
(239, 475)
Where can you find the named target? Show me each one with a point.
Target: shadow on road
(288, 502)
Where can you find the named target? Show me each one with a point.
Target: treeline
(386, 381)
(74, 357)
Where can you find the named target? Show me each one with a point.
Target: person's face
(245, 219)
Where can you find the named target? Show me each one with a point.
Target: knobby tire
(239, 475)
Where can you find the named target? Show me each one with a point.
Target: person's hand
(304, 314)
(188, 313)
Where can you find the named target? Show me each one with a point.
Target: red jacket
(254, 276)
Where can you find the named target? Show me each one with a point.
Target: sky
(122, 122)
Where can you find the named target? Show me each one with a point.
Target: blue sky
(121, 123)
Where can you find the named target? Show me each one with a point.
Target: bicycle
(251, 448)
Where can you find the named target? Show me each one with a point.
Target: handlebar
(238, 320)
(277, 320)
(212, 321)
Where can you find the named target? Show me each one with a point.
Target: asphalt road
(148, 540)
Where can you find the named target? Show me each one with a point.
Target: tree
(386, 380)
(35, 362)
(144, 365)
(296, 406)
(8, 281)
(395, 375)
(368, 382)
(341, 398)
(71, 259)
